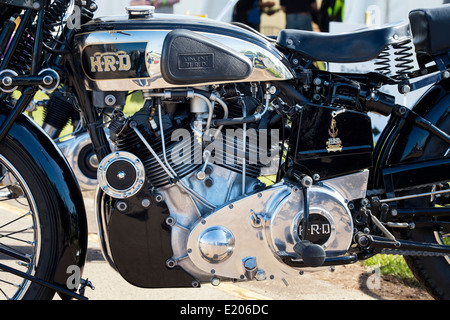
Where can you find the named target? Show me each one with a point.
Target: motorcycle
(246, 160)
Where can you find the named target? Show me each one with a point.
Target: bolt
(48, 80)
(93, 7)
(307, 181)
(209, 182)
(121, 175)
(363, 241)
(215, 281)
(171, 263)
(171, 221)
(201, 175)
(110, 100)
(121, 206)
(7, 81)
(145, 203)
(405, 89)
(260, 275)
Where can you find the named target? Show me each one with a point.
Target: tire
(433, 273)
(27, 226)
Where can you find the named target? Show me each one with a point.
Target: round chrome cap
(216, 244)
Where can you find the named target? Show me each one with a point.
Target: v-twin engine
(219, 220)
(251, 236)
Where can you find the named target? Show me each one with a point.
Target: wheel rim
(19, 231)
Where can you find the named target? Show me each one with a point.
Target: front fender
(64, 188)
(406, 155)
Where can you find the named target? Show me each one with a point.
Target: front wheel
(28, 232)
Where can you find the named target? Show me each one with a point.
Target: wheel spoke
(18, 233)
(7, 298)
(15, 254)
(17, 219)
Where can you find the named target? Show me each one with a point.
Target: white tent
(388, 10)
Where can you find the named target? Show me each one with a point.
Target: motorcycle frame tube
(397, 162)
(31, 82)
(51, 165)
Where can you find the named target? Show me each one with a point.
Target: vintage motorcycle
(245, 161)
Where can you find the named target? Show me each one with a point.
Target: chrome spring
(383, 62)
(403, 53)
(23, 55)
(53, 17)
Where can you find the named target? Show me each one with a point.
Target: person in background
(161, 6)
(249, 12)
(330, 10)
(299, 13)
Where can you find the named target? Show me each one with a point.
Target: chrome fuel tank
(122, 54)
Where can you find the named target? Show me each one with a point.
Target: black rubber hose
(232, 122)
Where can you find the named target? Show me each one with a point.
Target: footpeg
(312, 254)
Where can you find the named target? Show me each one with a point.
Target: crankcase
(260, 229)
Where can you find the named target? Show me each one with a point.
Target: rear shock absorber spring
(53, 17)
(23, 56)
(404, 54)
(383, 62)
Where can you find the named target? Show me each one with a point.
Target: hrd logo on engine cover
(110, 61)
(319, 229)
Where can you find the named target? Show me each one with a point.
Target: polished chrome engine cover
(245, 238)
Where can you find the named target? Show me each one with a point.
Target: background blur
(381, 11)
